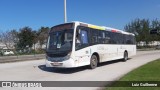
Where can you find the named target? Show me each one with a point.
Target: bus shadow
(74, 70)
(62, 70)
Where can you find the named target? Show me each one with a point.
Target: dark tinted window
(129, 39)
(94, 36)
(101, 37)
(89, 36)
(113, 38)
(108, 37)
(120, 39)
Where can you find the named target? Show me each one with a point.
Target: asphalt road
(36, 71)
(5, 59)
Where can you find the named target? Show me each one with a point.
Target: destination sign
(62, 27)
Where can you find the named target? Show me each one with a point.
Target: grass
(148, 72)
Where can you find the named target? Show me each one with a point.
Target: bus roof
(102, 28)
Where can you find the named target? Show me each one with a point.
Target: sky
(16, 14)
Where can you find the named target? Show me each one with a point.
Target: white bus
(78, 44)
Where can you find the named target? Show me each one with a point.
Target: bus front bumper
(64, 64)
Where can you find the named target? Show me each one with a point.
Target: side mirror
(155, 31)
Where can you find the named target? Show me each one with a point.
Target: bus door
(82, 52)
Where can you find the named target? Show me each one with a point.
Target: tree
(26, 38)
(141, 28)
(156, 25)
(9, 38)
(42, 35)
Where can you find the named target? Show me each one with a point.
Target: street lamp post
(65, 12)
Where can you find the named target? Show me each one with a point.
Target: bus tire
(93, 62)
(125, 57)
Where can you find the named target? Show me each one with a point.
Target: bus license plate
(56, 64)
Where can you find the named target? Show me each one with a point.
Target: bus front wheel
(93, 62)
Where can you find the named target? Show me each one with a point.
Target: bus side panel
(83, 56)
(107, 52)
(110, 52)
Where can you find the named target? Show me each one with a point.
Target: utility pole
(65, 12)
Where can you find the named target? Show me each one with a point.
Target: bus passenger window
(81, 40)
(78, 40)
(78, 37)
(84, 37)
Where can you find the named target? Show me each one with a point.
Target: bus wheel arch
(94, 60)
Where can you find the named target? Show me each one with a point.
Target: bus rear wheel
(93, 62)
(125, 58)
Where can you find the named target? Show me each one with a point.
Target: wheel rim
(125, 56)
(94, 62)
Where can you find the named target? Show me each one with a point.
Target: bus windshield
(60, 41)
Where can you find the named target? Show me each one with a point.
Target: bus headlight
(68, 56)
